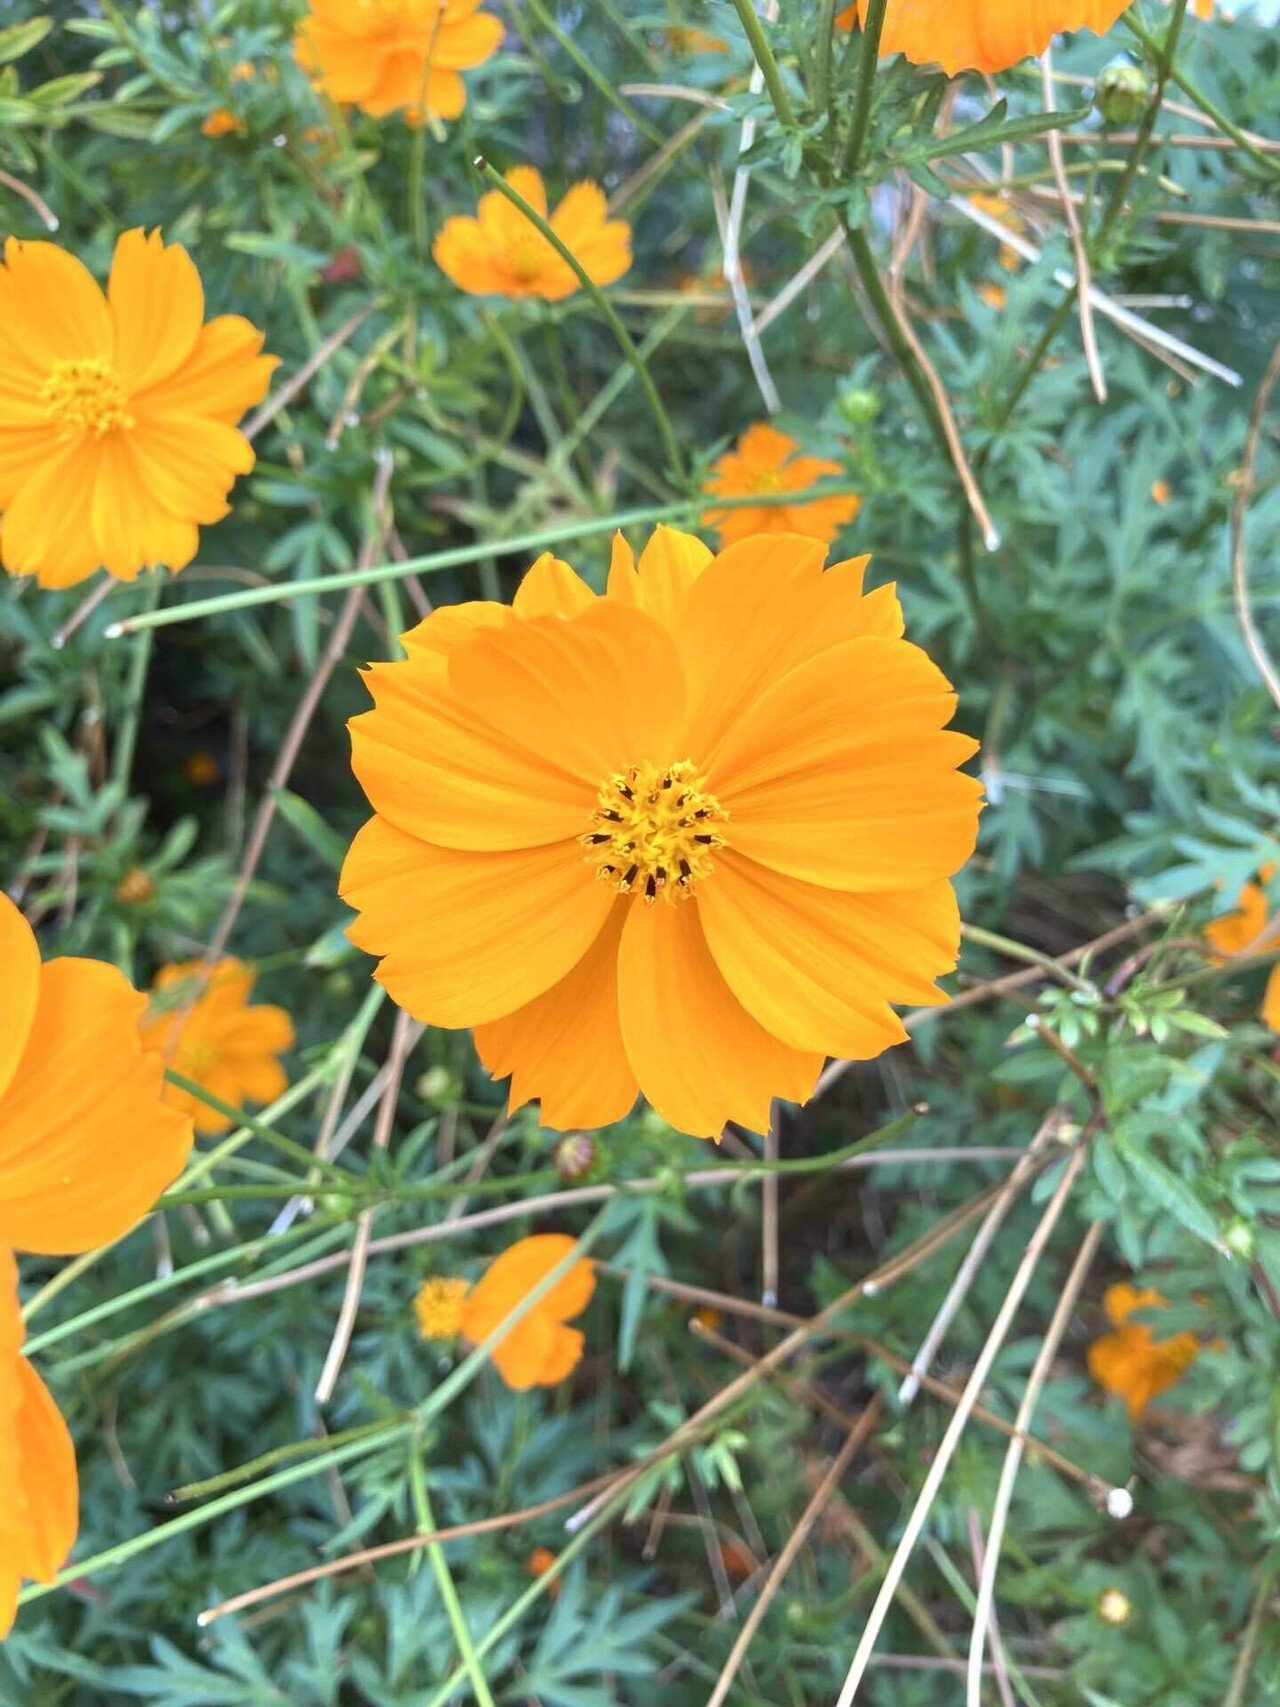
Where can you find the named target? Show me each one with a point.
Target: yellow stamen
(439, 1307)
(86, 394)
(655, 830)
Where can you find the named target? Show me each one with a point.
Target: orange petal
(19, 987)
(224, 374)
(86, 1144)
(986, 35)
(157, 304)
(841, 773)
(537, 1350)
(1271, 1000)
(564, 1049)
(818, 967)
(669, 565)
(469, 937)
(551, 588)
(600, 690)
(51, 309)
(47, 530)
(700, 1058)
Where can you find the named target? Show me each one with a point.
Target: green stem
(872, 283)
(445, 1583)
(868, 56)
(457, 556)
(1235, 1696)
(820, 92)
(663, 421)
(1240, 137)
(259, 1128)
(764, 58)
(135, 687)
(1012, 950)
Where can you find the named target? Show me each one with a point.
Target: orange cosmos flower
(438, 1307)
(539, 1351)
(205, 1029)
(982, 35)
(221, 122)
(687, 838)
(86, 1143)
(1131, 1362)
(39, 1491)
(385, 56)
(1244, 930)
(117, 411)
(501, 253)
(765, 461)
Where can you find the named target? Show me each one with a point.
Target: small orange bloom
(764, 461)
(982, 35)
(118, 412)
(39, 1490)
(686, 838)
(539, 1351)
(999, 208)
(1131, 1362)
(220, 122)
(438, 1307)
(1161, 492)
(1244, 930)
(995, 296)
(501, 253)
(86, 1143)
(387, 56)
(206, 1030)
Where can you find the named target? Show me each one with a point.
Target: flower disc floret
(655, 830)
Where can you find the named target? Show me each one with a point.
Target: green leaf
(18, 39)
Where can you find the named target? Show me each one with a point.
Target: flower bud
(1121, 94)
(135, 888)
(574, 1155)
(437, 1085)
(1114, 1606)
(859, 405)
(1240, 1241)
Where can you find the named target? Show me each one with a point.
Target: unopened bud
(436, 1085)
(574, 1155)
(859, 405)
(1121, 94)
(135, 888)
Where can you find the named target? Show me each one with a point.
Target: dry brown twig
(1239, 557)
(1084, 274)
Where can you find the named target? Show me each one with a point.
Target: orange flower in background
(220, 122)
(438, 1307)
(982, 35)
(1131, 1362)
(1244, 930)
(687, 839)
(539, 1351)
(118, 412)
(86, 1142)
(388, 56)
(502, 253)
(205, 1029)
(39, 1490)
(764, 461)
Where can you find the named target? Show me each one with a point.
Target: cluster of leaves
(1130, 760)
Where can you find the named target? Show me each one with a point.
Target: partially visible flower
(39, 1490)
(1114, 1606)
(682, 38)
(1244, 930)
(86, 1142)
(221, 122)
(539, 1563)
(205, 1029)
(502, 253)
(1161, 492)
(684, 839)
(708, 1317)
(539, 1351)
(244, 71)
(135, 888)
(995, 296)
(982, 35)
(118, 412)
(1131, 1362)
(438, 1307)
(202, 769)
(1000, 208)
(765, 462)
(388, 56)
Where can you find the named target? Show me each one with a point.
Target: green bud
(437, 1084)
(1240, 1241)
(859, 405)
(1121, 94)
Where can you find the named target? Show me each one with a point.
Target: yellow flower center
(769, 480)
(86, 393)
(439, 1307)
(527, 255)
(655, 829)
(199, 1056)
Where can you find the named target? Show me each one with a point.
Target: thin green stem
(444, 1581)
(1249, 1646)
(820, 91)
(873, 284)
(1225, 124)
(868, 57)
(135, 688)
(671, 448)
(259, 1128)
(764, 58)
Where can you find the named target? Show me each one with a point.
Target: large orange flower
(764, 462)
(501, 253)
(1132, 1362)
(86, 1144)
(118, 412)
(688, 838)
(391, 55)
(982, 35)
(1245, 928)
(39, 1493)
(539, 1351)
(205, 1029)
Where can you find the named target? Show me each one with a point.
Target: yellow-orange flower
(118, 411)
(539, 1351)
(1244, 929)
(1161, 493)
(1132, 1362)
(686, 838)
(765, 462)
(221, 122)
(205, 1029)
(982, 35)
(86, 1143)
(39, 1491)
(502, 253)
(388, 56)
(438, 1307)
